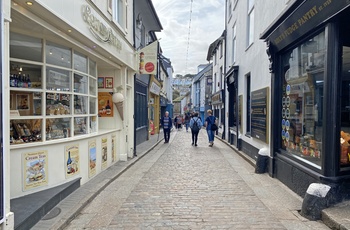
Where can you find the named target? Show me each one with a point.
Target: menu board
(259, 114)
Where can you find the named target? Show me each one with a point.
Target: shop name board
(259, 114)
(99, 29)
(217, 98)
(309, 15)
(155, 89)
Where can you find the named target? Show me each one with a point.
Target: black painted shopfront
(309, 51)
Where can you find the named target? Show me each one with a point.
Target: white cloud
(207, 25)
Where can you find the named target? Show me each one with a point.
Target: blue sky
(207, 24)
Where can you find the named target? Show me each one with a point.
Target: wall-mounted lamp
(139, 21)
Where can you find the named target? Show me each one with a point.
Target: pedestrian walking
(187, 121)
(195, 125)
(211, 127)
(179, 122)
(166, 124)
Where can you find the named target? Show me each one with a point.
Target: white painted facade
(249, 54)
(67, 23)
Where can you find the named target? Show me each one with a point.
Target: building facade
(69, 92)
(284, 93)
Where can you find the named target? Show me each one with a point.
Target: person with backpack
(195, 125)
(211, 125)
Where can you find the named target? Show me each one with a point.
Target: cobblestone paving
(178, 186)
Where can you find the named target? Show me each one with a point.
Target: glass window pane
(80, 83)
(93, 124)
(80, 126)
(93, 105)
(25, 47)
(25, 75)
(25, 131)
(92, 86)
(58, 55)
(92, 68)
(80, 62)
(57, 104)
(24, 103)
(57, 128)
(58, 79)
(302, 100)
(80, 104)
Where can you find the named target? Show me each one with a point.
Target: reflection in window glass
(302, 96)
(92, 68)
(80, 104)
(58, 79)
(25, 47)
(80, 62)
(93, 105)
(345, 109)
(80, 126)
(57, 104)
(80, 83)
(58, 55)
(93, 124)
(57, 128)
(92, 86)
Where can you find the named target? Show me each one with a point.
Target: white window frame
(250, 23)
(234, 43)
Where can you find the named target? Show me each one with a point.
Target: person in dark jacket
(208, 123)
(166, 124)
(195, 121)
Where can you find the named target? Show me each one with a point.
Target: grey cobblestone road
(178, 186)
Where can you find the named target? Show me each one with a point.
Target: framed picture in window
(100, 82)
(109, 82)
(22, 102)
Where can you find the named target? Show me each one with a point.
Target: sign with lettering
(309, 15)
(259, 114)
(99, 28)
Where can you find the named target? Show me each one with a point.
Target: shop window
(49, 99)
(80, 62)
(302, 99)
(25, 47)
(58, 55)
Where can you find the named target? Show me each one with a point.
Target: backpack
(195, 127)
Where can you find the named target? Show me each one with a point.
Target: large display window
(52, 96)
(302, 99)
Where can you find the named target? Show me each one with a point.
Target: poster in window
(109, 82)
(72, 160)
(92, 158)
(104, 152)
(105, 104)
(100, 82)
(114, 151)
(35, 169)
(22, 101)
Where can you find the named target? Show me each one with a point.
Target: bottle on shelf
(24, 81)
(19, 81)
(29, 82)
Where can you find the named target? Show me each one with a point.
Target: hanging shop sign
(217, 98)
(100, 29)
(259, 114)
(154, 88)
(148, 59)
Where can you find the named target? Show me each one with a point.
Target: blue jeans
(210, 135)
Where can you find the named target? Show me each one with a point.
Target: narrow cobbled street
(179, 186)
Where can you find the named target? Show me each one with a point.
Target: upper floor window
(234, 44)
(221, 49)
(118, 10)
(229, 9)
(250, 23)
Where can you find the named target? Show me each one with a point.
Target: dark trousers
(194, 137)
(166, 135)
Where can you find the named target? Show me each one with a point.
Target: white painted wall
(252, 59)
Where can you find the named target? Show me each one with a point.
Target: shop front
(308, 48)
(219, 111)
(69, 94)
(154, 104)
